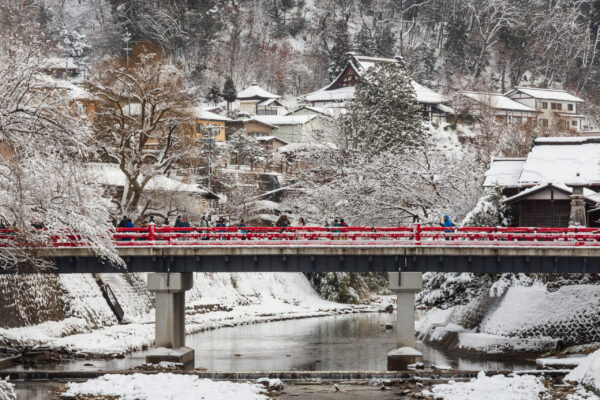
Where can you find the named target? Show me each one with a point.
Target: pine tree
(364, 42)
(341, 47)
(214, 94)
(385, 42)
(229, 92)
(384, 115)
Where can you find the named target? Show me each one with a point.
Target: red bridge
(314, 249)
(415, 235)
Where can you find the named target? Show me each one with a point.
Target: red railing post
(417, 230)
(151, 231)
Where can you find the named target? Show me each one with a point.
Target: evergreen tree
(214, 94)
(229, 92)
(384, 115)
(339, 49)
(364, 42)
(385, 42)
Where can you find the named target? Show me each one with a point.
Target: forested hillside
(296, 46)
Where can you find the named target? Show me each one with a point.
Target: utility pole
(126, 39)
(212, 131)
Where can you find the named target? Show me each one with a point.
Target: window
(517, 120)
(543, 123)
(574, 122)
(544, 105)
(199, 128)
(570, 108)
(556, 106)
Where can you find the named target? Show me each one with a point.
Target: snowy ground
(165, 386)
(519, 319)
(216, 300)
(522, 387)
(587, 372)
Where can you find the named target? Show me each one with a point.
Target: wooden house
(538, 188)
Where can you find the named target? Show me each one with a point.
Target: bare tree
(140, 122)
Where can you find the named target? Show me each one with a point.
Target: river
(349, 342)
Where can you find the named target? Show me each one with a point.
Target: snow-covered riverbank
(216, 300)
(513, 315)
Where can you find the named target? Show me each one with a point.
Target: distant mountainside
(296, 46)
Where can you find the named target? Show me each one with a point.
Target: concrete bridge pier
(405, 285)
(169, 290)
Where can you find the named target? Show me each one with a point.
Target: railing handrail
(415, 235)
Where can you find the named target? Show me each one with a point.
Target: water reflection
(352, 342)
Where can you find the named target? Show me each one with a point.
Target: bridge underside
(326, 263)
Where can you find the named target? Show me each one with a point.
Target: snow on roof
(257, 121)
(498, 101)
(269, 102)
(269, 138)
(546, 94)
(504, 172)
(201, 113)
(318, 110)
(58, 63)
(445, 108)
(588, 194)
(73, 91)
(108, 174)
(340, 94)
(279, 120)
(255, 91)
(366, 62)
(561, 159)
(424, 95)
(304, 146)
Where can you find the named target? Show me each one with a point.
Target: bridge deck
(493, 250)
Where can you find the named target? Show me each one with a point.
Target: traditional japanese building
(540, 188)
(341, 90)
(255, 100)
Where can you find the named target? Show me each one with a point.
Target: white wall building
(557, 108)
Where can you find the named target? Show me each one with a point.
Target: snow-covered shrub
(347, 287)
(7, 390)
(490, 210)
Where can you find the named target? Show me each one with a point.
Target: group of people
(283, 221)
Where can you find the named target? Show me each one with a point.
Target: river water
(349, 342)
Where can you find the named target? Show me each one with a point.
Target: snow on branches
(42, 184)
(140, 115)
(384, 115)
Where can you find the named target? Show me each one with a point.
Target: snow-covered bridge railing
(318, 249)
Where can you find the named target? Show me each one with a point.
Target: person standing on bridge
(448, 224)
(123, 222)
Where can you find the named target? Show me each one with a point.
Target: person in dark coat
(283, 221)
(123, 222)
(184, 223)
(178, 222)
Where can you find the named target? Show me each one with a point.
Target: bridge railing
(416, 235)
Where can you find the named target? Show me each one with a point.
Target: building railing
(415, 235)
